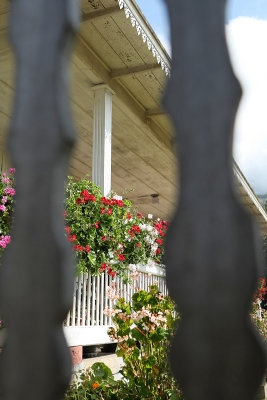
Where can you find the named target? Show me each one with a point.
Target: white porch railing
(86, 324)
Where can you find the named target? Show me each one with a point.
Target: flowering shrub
(7, 193)
(143, 331)
(97, 383)
(107, 233)
(258, 313)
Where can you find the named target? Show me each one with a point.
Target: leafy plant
(7, 193)
(107, 233)
(143, 331)
(258, 313)
(97, 383)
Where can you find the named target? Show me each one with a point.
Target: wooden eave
(109, 50)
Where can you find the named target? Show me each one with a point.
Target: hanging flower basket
(107, 233)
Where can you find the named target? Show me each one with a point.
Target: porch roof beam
(154, 112)
(121, 72)
(100, 13)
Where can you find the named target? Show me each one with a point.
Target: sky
(246, 32)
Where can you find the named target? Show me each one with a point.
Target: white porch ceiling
(109, 50)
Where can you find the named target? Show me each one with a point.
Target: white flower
(150, 216)
(120, 246)
(154, 247)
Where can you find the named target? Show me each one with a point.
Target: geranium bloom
(77, 247)
(79, 201)
(4, 199)
(109, 212)
(2, 208)
(4, 241)
(10, 191)
(121, 257)
(12, 170)
(87, 248)
(103, 267)
(6, 180)
(85, 193)
(67, 229)
(159, 241)
(72, 238)
(136, 228)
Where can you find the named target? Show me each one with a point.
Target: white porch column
(101, 168)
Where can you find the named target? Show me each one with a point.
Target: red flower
(64, 213)
(159, 241)
(120, 203)
(79, 201)
(103, 238)
(158, 251)
(77, 247)
(85, 193)
(138, 244)
(90, 197)
(97, 225)
(121, 257)
(136, 228)
(103, 267)
(67, 229)
(88, 248)
(139, 215)
(161, 233)
(109, 212)
(72, 238)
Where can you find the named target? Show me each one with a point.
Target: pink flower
(12, 170)
(4, 199)
(4, 241)
(10, 191)
(6, 180)
(2, 208)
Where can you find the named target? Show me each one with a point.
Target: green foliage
(107, 233)
(7, 193)
(258, 313)
(97, 383)
(143, 332)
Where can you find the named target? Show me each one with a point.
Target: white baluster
(85, 276)
(93, 301)
(106, 297)
(79, 293)
(74, 303)
(102, 277)
(89, 315)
